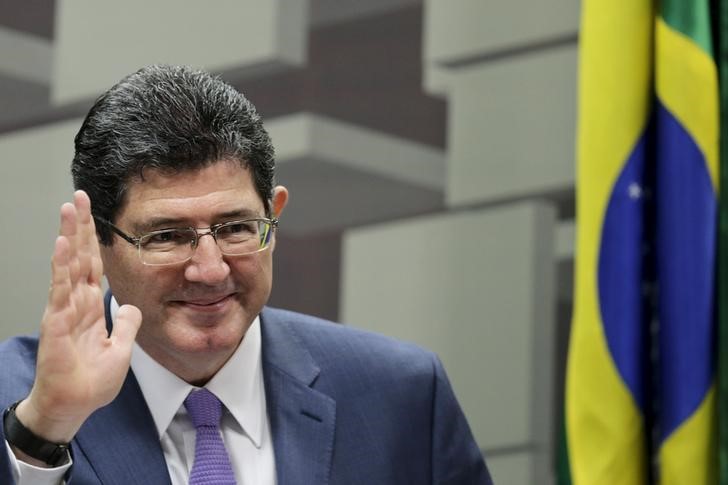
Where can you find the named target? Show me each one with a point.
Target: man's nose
(207, 264)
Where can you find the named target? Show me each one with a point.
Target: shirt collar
(238, 384)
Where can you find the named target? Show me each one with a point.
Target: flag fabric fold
(640, 388)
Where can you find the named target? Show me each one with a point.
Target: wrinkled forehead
(220, 186)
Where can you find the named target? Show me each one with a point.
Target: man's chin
(206, 341)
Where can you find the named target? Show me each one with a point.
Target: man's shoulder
(22, 347)
(18, 354)
(310, 327)
(340, 343)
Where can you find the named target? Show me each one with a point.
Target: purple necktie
(212, 464)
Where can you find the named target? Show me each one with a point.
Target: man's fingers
(126, 325)
(60, 274)
(68, 220)
(69, 229)
(87, 244)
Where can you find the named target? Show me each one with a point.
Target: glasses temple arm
(122, 234)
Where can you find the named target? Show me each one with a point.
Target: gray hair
(167, 118)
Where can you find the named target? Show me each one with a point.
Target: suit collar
(121, 443)
(284, 350)
(120, 440)
(303, 419)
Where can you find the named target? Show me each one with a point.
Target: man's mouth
(206, 303)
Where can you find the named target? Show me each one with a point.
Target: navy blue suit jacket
(346, 407)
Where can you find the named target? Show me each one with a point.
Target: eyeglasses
(177, 245)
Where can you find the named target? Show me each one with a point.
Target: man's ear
(279, 201)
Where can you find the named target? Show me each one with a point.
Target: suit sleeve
(25, 474)
(19, 354)
(456, 458)
(7, 473)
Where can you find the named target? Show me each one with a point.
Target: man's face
(194, 313)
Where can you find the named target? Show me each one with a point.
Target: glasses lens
(243, 237)
(167, 246)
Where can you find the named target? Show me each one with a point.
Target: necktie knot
(204, 408)
(212, 464)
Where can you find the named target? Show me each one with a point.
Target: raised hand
(80, 368)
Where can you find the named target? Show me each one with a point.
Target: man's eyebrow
(156, 223)
(240, 213)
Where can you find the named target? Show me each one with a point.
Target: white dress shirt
(245, 425)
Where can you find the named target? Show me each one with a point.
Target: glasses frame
(210, 231)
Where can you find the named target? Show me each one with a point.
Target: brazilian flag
(641, 375)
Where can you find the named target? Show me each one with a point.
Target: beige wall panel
(99, 42)
(511, 127)
(520, 468)
(368, 175)
(25, 56)
(307, 135)
(477, 288)
(36, 180)
(459, 30)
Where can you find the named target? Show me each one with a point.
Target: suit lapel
(120, 441)
(303, 420)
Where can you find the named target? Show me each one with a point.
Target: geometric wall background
(427, 146)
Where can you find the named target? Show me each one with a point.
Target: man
(180, 374)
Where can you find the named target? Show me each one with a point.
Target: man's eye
(239, 228)
(168, 237)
